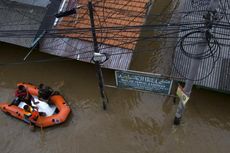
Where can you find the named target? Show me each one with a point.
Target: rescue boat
(56, 113)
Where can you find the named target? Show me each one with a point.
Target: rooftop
(20, 16)
(214, 72)
(107, 13)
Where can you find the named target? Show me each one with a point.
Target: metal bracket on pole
(100, 57)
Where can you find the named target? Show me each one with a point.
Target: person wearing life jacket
(45, 92)
(31, 114)
(22, 95)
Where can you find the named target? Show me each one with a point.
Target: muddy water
(134, 123)
(148, 55)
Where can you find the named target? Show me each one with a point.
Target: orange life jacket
(33, 114)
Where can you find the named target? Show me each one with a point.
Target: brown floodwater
(135, 122)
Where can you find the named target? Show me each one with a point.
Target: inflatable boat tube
(56, 113)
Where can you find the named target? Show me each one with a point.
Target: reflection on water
(149, 56)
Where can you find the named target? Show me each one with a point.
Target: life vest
(33, 114)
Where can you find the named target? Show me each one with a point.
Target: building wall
(17, 20)
(41, 3)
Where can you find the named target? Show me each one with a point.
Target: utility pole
(195, 63)
(98, 58)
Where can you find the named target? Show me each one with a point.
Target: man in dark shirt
(22, 95)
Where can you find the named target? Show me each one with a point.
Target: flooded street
(135, 122)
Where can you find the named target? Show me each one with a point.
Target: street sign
(143, 81)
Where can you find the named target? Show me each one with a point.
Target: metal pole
(195, 63)
(96, 50)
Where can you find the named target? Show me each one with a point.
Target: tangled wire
(204, 44)
(212, 50)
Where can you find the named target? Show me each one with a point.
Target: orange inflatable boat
(56, 113)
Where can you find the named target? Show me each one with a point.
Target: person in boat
(31, 114)
(45, 92)
(22, 95)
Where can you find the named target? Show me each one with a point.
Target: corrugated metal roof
(108, 13)
(219, 77)
(18, 16)
(41, 3)
(83, 51)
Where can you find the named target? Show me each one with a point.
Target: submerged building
(214, 69)
(74, 38)
(31, 21)
(118, 26)
(17, 17)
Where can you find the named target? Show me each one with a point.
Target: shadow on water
(148, 56)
